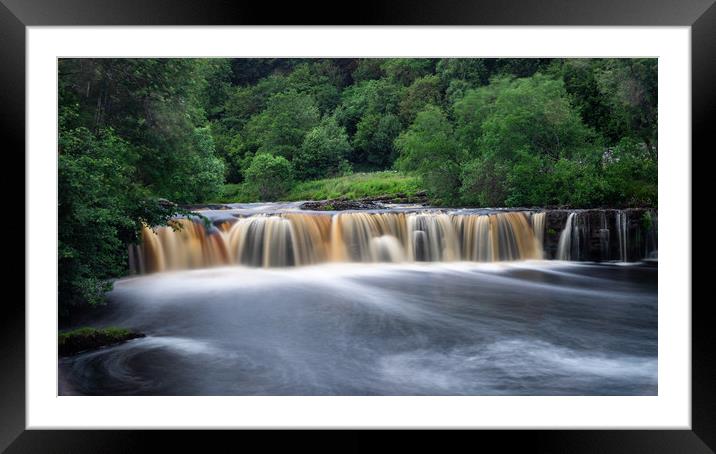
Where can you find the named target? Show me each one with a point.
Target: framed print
(436, 218)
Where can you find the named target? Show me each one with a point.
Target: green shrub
(269, 176)
(323, 152)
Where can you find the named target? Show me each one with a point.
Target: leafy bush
(429, 148)
(281, 128)
(374, 137)
(269, 176)
(631, 172)
(101, 208)
(323, 152)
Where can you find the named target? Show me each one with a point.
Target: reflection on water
(517, 328)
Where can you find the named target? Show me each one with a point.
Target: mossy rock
(83, 339)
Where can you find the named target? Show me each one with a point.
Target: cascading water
(538, 221)
(604, 235)
(651, 241)
(564, 247)
(626, 235)
(292, 239)
(623, 235)
(278, 238)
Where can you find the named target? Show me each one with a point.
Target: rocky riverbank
(368, 203)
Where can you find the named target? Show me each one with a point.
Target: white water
(564, 247)
(422, 328)
(304, 238)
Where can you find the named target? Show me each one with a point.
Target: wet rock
(206, 206)
(341, 205)
(166, 203)
(367, 203)
(603, 234)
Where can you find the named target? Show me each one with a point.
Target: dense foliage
(488, 132)
(482, 132)
(130, 132)
(268, 176)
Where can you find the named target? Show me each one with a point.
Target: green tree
(281, 127)
(101, 207)
(214, 85)
(367, 69)
(470, 70)
(374, 139)
(204, 173)
(405, 71)
(424, 91)
(631, 172)
(629, 87)
(131, 131)
(515, 127)
(323, 152)
(428, 147)
(368, 97)
(269, 176)
(320, 80)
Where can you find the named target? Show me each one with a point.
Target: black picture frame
(700, 15)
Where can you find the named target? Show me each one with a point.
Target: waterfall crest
(292, 238)
(295, 239)
(564, 247)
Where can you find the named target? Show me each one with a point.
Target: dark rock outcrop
(206, 206)
(420, 197)
(341, 205)
(367, 203)
(603, 234)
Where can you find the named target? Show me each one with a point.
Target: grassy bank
(83, 339)
(355, 186)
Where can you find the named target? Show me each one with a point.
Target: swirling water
(430, 328)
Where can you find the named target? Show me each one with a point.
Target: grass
(234, 193)
(354, 186)
(81, 339)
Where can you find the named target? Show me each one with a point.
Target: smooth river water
(457, 328)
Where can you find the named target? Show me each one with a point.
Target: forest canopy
(137, 136)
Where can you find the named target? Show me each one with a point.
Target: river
(407, 304)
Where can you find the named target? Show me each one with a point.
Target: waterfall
(387, 248)
(351, 234)
(564, 247)
(434, 238)
(503, 236)
(538, 220)
(623, 235)
(184, 244)
(652, 240)
(604, 235)
(271, 240)
(294, 239)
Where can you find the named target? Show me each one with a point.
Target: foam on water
(516, 328)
